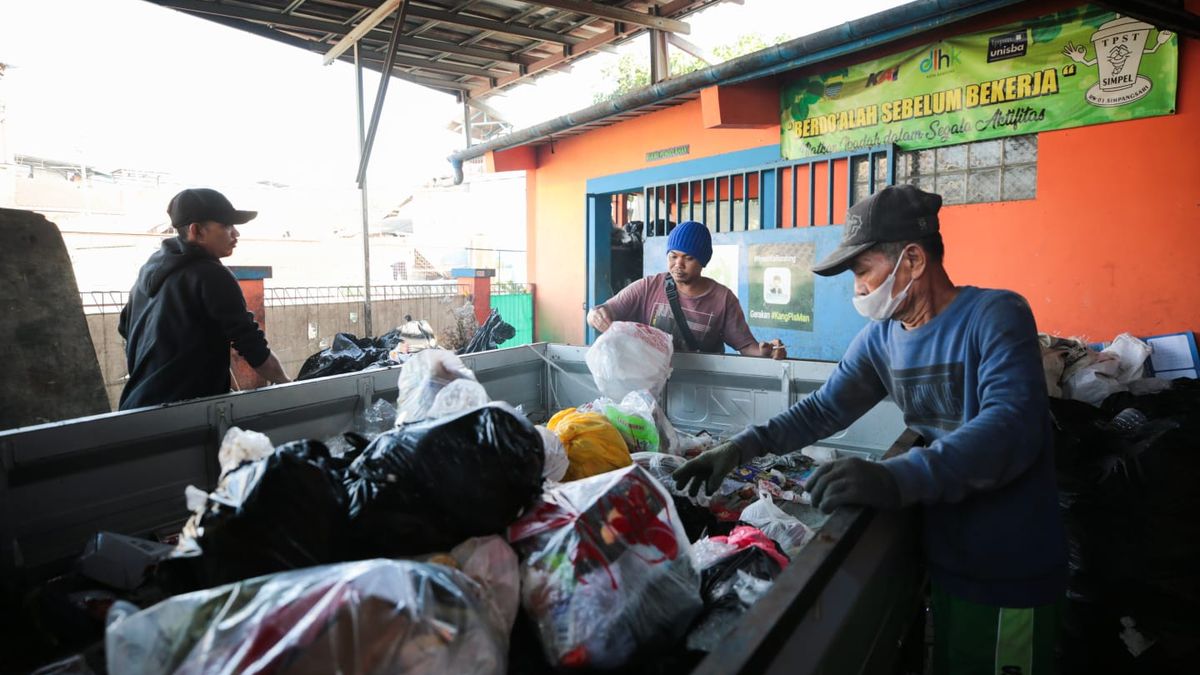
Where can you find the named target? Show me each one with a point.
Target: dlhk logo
(940, 58)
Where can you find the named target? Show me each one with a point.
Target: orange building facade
(1106, 245)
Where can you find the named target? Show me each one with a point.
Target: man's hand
(773, 349)
(709, 469)
(599, 318)
(272, 371)
(851, 481)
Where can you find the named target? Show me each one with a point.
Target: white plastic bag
(777, 524)
(240, 445)
(1095, 382)
(458, 396)
(556, 463)
(630, 356)
(1132, 353)
(422, 377)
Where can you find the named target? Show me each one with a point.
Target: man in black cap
(186, 309)
(964, 365)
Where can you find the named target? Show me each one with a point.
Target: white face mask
(879, 305)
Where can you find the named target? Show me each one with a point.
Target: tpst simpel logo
(1007, 46)
(939, 58)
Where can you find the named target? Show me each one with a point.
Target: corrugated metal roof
(465, 47)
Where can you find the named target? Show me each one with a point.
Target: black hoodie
(183, 313)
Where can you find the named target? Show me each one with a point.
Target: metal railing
(315, 295)
(103, 302)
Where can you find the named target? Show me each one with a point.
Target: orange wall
(558, 259)
(1109, 244)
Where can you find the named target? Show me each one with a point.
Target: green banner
(1077, 67)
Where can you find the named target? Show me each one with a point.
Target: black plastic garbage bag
(349, 354)
(1127, 489)
(283, 512)
(430, 485)
(729, 587)
(489, 336)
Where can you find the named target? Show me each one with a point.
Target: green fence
(516, 307)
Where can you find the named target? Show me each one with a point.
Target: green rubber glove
(709, 469)
(851, 481)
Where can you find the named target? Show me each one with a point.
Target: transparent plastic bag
(240, 445)
(633, 419)
(422, 378)
(372, 616)
(606, 572)
(628, 357)
(556, 455)
(777, 524)
(492, 563)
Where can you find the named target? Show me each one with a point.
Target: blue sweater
(971, 383)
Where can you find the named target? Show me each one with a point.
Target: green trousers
(974, 639)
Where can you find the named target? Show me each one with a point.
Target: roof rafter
(612, 13)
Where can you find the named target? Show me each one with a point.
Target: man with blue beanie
(701, 314)
(965, 367)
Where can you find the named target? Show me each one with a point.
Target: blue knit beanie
(693, 239)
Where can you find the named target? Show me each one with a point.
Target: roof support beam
(692, 48)
(285, 21)
(578, 50)
(489, 24)
(486, 109)
(372, 20)
(365, 158)
(373, 64)
(616, 14)
(436, 66)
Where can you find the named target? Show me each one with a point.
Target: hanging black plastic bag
(489, 336)
(428, 486)
(282, 512)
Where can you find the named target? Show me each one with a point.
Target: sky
(128, 84)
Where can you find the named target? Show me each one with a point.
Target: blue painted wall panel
(835, 323)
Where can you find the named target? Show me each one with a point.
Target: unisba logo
(939, 58)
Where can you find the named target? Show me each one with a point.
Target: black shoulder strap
(681, 324)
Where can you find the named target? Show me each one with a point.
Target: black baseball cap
(196, 205)
(895, 213)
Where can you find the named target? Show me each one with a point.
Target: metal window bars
(776, 195)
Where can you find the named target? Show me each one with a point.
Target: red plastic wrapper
(606, 572)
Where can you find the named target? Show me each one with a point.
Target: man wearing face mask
(963, 364)
(701, 314)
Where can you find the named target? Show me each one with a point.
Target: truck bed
(841, 606)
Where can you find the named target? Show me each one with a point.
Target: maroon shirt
(715, 317)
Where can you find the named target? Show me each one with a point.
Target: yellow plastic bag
(594, 446)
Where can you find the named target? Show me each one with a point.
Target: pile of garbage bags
(414, 490)
(453, 538)
(1126, 476)
(350, 354)
(1076, 371)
